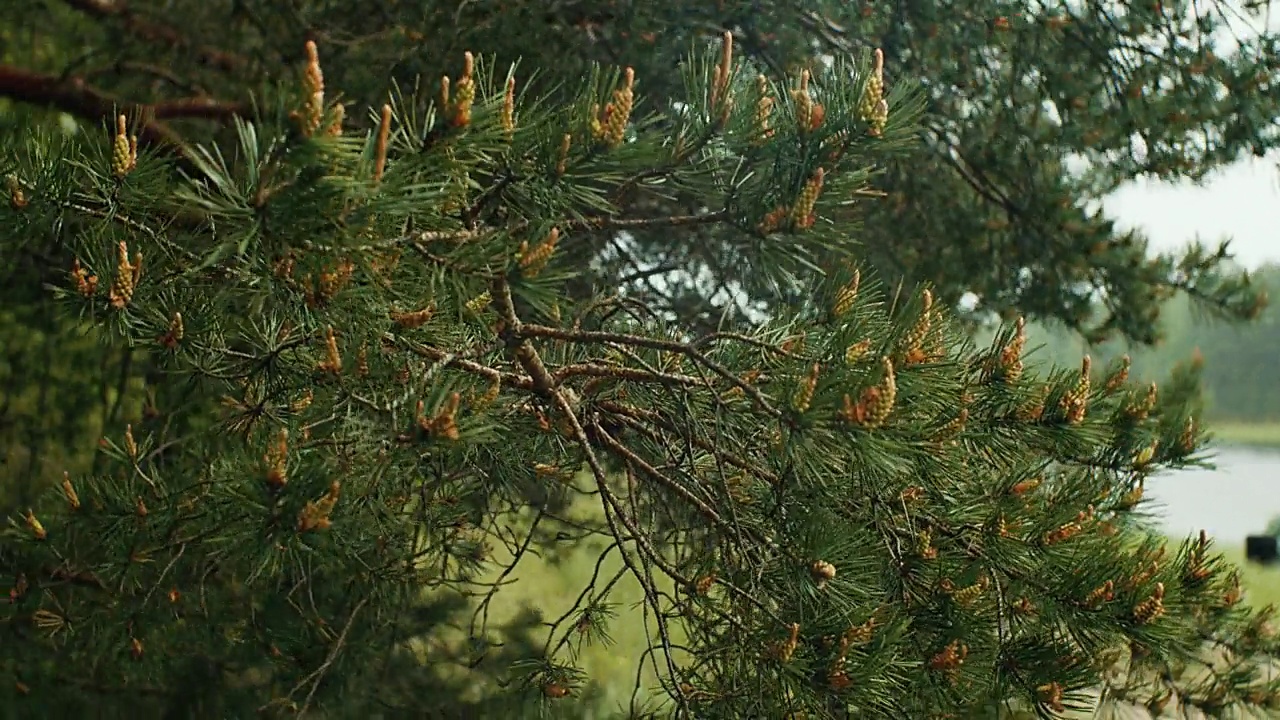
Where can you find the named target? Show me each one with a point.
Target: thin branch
(319, 672)
(584, 336)
(624, 373)
(159, 33)
(625, 453)
(581, 224)
(75, 96)
(636, 419)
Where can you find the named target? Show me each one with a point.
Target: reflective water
(1236, 499)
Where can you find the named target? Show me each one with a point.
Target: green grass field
(1246, 434)
(1261, 584)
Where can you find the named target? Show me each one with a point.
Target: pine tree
(984, 205)
(1017, 94)
(847, 510)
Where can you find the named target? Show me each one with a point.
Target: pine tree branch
(640, 420)
(598, 370)
(627, 455)
(456, 360)
(158, 32)
(75, 96)
(596, 337)
(587, 224)
(318, 675)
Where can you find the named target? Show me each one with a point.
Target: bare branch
(75, 96)
(159, 33)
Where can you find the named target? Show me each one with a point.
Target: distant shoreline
(1245, 434)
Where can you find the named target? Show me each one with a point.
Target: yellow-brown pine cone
(508, 117)
(618, 112)
(761, 130)
(120, 158)
(808, 384)
(857, 351)
(1187, 438)
(802, 215)
(1140, 409)
(597, 128)
(312, 77)
(1121, 375)
(870, 103)
(414, 319)
(1150, 609)
(69, 492)
(312, 111)
(879, 119)
(822, 572)
(1051, 695)
(1080, 392)
(1013, 371)
(804, 108)
(772, 221)
(1075, 402)
(36, 527)
(335, 123)
(479, 302)
(1011, 355)
(704, 583)
(1102, 594)
(555, 690)
(883, 405)
(176, 328)
(463, 99)
(615, 125)
(534, 261)
(967, 595)
(913, 343)
(954, 426)
(121, 292)
(924, 543)
(845, 297)
(17, 199)
(86, 282)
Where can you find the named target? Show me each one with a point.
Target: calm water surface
(1236, 499)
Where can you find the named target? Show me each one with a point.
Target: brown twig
(598, 370)
(454, 360)
(75, 96)
(159, 33)
(585, 336)
(318, 675)
(640, 420)
(578, 224)
(626, 454)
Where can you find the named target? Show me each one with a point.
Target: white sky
(1241, 203)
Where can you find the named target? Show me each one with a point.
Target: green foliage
(850, 510)
(1034, 113)
(1239, 360)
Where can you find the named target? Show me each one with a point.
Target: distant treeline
(1241, 362)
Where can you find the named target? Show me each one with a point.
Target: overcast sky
(1242, 203)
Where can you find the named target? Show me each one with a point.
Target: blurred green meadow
(1247, 434)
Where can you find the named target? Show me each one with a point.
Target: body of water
(1237, 498)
